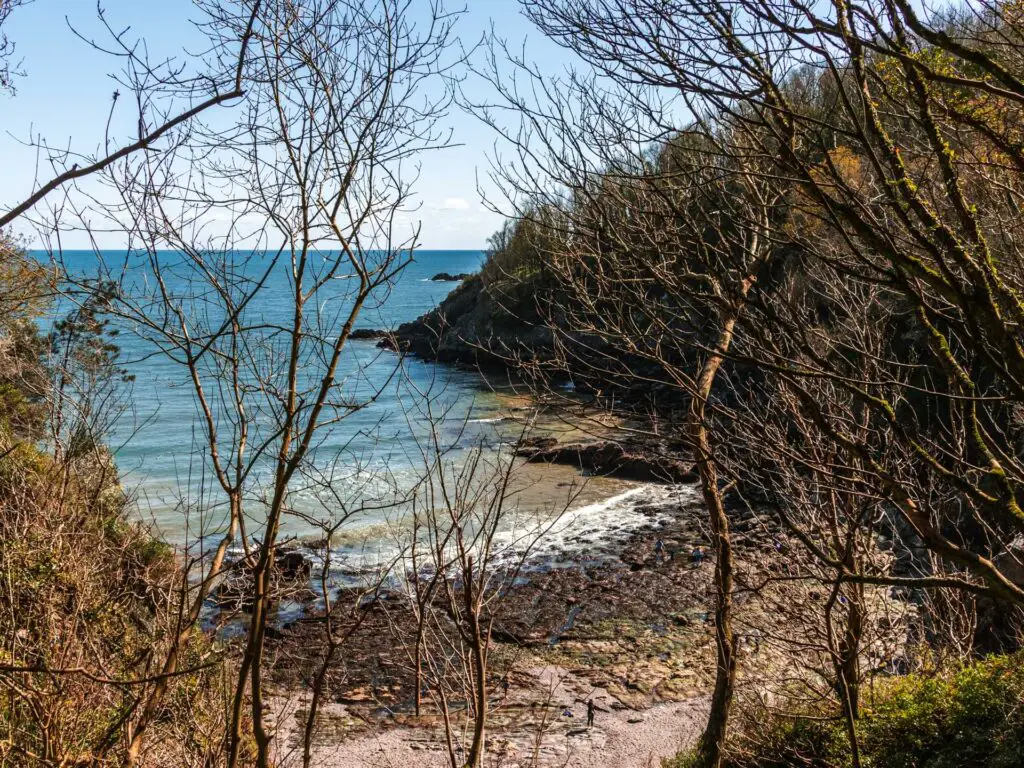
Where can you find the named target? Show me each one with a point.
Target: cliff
(477, 325)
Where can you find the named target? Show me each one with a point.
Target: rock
(368, 333)
(356, 696)
(611, 460)
(232, 592)
(531, 445)
(447, 277)
(291, 569)
(292, 565)
(473, 327)
(388, 342)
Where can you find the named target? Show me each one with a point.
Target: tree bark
(849, 668)
(712, 742)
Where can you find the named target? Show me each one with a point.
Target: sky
(65, 93)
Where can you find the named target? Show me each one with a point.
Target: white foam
(592, 531)
(610, 521)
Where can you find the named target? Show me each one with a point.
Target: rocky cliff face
(476, 326)
(499, 327)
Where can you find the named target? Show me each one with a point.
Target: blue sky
(65, 97)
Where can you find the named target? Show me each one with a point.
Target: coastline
(632, 629)
(611, 617)
(612, 604)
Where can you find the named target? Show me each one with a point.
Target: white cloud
(455, 204)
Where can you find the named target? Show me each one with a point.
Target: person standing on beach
(659, 551)
(590, 713)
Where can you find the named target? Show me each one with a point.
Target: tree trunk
(418, 661)
(848, 682)
(476, 751)
(478, 665)
(849, 652)
(713, 740)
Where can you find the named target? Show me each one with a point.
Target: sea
(392, 418)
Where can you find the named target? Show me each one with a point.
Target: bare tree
(167, 97)
(470, 542)
(880, 191)
(693, 226)
(309, 184)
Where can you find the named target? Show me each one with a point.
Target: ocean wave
(600, 524)
(592, 531)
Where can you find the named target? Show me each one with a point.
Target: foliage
(26, 289)
(87, 604)
(971, 715)
(516, 252)
(87, 593)
(26, 285)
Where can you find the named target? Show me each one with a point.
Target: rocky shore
(470, 327)
(624, 617)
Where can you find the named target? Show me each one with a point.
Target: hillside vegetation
(88, 595)
(777, 242)
(816, 285)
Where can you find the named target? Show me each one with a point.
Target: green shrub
(969, 716)
(686, 759)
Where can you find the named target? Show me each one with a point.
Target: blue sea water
(368, 456)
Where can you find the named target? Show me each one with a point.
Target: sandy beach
(531, 731)
(604, 617)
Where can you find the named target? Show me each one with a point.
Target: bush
(815, 740)
(86, 589)
(686, 759)
(969, 716)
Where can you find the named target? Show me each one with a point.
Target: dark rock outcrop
(292, 565)
(612, 460)
(368, 333)
(474, 327)
(448, 277)
(498, 327)
(289, 576)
